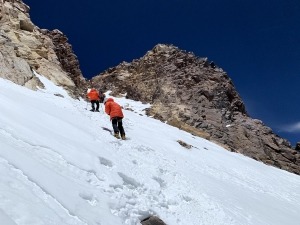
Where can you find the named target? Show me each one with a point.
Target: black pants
(118, 125)
(93, 104)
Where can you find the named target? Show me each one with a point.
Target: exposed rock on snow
(153, 220)
(185, 145)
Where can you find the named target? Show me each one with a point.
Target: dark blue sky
(257, 42)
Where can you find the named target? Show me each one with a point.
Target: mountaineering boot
(123, 137)
(116, 135)
(92, 110)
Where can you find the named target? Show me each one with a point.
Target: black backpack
(101, 96)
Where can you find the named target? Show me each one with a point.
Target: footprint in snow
(129, 181)
(142, 148)
(90, 198)
(160, 181)
(163, 171)
(186, 198)
(105, 162)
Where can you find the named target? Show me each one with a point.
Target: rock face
(195, 95)
(66, 56)
(23, 48)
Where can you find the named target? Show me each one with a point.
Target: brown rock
(68, 60)
(66, 56)
(24, 47)
(189, 93)
(184, 144)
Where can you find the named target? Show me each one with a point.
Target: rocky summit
(196, 95)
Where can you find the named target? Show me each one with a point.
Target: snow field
(59, 166)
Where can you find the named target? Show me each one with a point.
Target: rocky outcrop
(13, 18)
(66, 56)
(196, 95)
(25, 48)
(152, 220)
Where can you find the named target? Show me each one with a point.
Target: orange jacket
(113, 109)
(93, 95)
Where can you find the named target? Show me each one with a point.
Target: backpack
(101, 96)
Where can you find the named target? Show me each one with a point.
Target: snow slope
(59, 166)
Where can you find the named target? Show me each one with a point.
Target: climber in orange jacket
(114, 110)
(94, 98)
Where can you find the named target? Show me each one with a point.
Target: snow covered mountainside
(59, 164)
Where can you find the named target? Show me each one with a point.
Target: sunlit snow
(60, 165)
